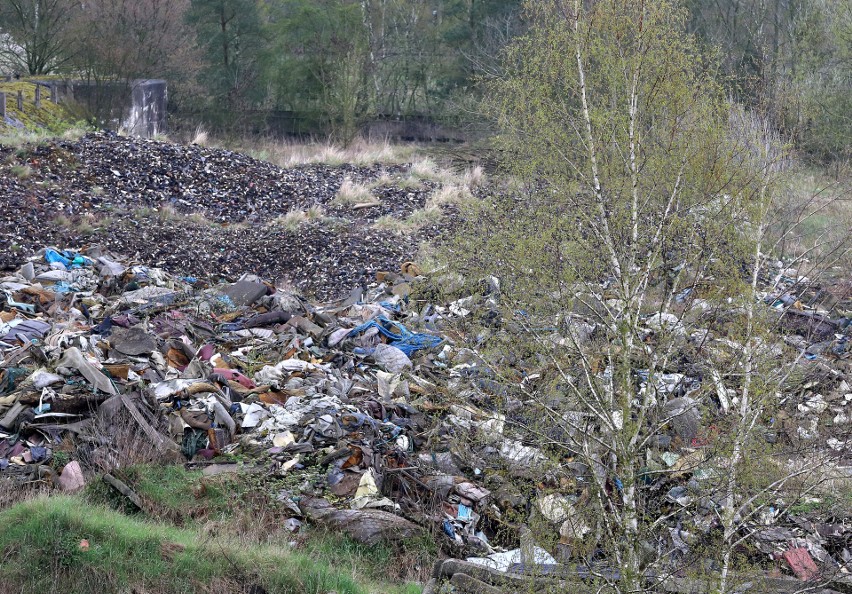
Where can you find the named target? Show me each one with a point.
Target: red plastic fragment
(801, 563)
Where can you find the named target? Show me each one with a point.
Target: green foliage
(790, 58)
(245, 504)
(639, 179)
(317, 60)
(589, 211)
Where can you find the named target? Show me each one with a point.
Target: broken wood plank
(10, 417)
(122, 488)
(159, 441)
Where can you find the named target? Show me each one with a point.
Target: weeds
(87, 548)
(418, 219)
(353, 193)
(21, 171)
(201, 137)
(240, 510)
(450, 194)
(63, 221)
(293, 219)
(293, 154)
(84, 225)
(18, 138)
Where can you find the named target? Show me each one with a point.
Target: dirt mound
(201, 211)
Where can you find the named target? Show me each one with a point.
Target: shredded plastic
(403, 339)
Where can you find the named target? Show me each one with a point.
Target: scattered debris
(368, 399)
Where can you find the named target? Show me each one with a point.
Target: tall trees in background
(232, 39)
(37, 29)
(318, 61)
(794, 56)
(127, 39)
(337, 62)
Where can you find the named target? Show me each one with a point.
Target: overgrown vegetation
(226, 531)
(632, 253)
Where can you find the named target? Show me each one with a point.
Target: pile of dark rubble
(364, 397)
(128, 194)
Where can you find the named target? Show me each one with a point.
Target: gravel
(202, 211)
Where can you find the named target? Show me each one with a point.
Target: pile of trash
(374, 398)
(187, 209)
(240, 370)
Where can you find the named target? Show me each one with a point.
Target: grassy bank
(67, 544)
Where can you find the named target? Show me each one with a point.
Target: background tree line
(335, 63)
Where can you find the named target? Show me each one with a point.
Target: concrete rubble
(378, 394)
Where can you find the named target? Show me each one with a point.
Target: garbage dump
(377, 393)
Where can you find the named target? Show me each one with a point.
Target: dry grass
(428, 215)
(455, 190)
(127, 444)
(85, 224)
(406, 182)
(16, 138)
(385, 179)
(13, 492)
(201, 137)
(353, 193)
(426, 168)
(473, 177)
(168, 213)
(22, 171)
(360, 152)
(294, 218)
(450, 194)
(63, 221)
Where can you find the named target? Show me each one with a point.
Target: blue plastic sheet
(391, 306)
(399, 336)
(67, 258)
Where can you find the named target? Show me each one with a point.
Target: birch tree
(630, 268)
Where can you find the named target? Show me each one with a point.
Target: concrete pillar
(38, 96)
(3, 106)
(20, 101)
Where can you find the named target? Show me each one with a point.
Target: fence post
(3, 106)
(54, 95)
(38, 95)
(20, 101)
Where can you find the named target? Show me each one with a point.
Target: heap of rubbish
(379, 394)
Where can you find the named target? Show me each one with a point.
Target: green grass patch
(373, 563)
(172, 493)
(48, 120)
(244, 506)
(65, 544)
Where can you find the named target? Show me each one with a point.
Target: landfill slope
(377, 405)
(376, 399)
(201, 211)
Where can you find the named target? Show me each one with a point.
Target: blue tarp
(67, 258)
(399, 336)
